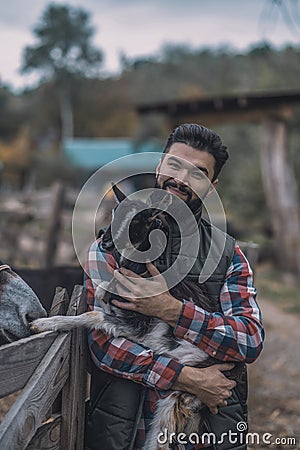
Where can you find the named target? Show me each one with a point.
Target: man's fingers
(214, 409)
(125, 294)
(122, 279)
(129, 273)
(152, 269)
(225, 367)
(124, 305)
(223, 403)
(138, 287)
(227, 394)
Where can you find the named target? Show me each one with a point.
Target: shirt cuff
(191, 324)
(162, 373)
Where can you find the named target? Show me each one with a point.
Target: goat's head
(132, 223)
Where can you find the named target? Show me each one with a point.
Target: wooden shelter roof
(244, 107)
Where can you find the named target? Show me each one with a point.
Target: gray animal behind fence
(179, 412)
(18, 306)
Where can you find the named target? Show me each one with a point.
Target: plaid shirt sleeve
(235, 334)
(120, 356)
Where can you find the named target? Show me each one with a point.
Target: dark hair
(200, 138)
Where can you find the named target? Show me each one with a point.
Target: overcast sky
(141, 27)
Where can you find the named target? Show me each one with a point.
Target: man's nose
(182, 177)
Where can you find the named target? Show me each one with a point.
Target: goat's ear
(120, 196)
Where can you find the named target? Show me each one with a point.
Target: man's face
(186, 172)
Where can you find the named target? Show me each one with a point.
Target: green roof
(92, 154)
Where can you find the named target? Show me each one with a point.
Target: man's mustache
(181, 187)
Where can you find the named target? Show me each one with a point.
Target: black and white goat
(179, 412)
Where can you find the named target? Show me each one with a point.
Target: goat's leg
(94, 320)
(91, 319)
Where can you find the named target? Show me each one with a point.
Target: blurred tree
(11, 114)
(63, 53)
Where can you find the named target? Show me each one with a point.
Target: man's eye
(198, 175)
(174, 165)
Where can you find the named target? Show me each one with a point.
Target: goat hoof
(33, 328)
(40, 325)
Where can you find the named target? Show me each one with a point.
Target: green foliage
(240, 185)
(12, 112)
(63, 49)
(107, 106)
(63, 53)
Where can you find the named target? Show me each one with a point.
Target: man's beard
(194, 204)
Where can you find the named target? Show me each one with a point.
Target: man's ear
(120, 196)
(213, 185)
(158, 168)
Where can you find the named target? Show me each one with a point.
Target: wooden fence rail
(50, 369)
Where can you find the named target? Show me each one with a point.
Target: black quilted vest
(115, 404)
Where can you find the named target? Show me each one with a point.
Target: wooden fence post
(74, 392)
(60, 302)
(48, 367)
(29, 410)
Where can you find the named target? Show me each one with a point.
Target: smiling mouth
(176, 191)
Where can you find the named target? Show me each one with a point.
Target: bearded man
(120, 411)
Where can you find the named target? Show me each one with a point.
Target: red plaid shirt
(236, 334)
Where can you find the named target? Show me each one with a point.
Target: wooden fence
(50, 369)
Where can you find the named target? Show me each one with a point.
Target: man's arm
(237, 333)
(208, 384)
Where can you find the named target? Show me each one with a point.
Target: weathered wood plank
(74, 392)
(19, 360)
(77, 302)
(26, 415)
(47, 436)
(59, 306)
(60, 302)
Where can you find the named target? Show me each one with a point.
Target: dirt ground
(274, 405)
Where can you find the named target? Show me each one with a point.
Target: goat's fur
(179, 412)
(19, 305)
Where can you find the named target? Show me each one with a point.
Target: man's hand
(208, 384)
(146, 295)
